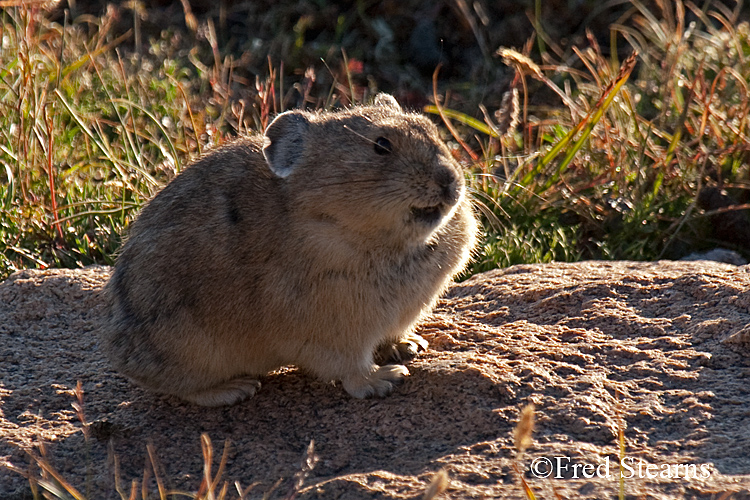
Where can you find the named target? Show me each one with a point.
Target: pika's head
(377, 171)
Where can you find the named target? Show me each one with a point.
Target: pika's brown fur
(319, 244)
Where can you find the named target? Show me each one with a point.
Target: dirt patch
(663, 345)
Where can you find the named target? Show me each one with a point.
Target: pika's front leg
(403, 350)
(226, 393)
(352, 363)
(379, 382)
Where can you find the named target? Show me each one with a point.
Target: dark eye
(383, 146)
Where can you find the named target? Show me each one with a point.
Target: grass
(613, 172)
(49, 483)
(89, 133)
(617, 170)
(45, 481)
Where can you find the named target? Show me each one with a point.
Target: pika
(319, 243)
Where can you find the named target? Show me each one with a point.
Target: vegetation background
(607, 130)
(574, 147)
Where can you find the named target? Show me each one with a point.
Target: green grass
(88, 134)
(616, 170)
(89, 131)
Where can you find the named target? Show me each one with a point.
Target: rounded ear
(387, 100)
(285, 142)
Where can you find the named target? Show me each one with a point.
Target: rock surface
(661, 350)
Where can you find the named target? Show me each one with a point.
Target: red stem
(51, 175)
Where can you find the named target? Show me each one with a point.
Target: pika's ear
(284, 142)
(387, 100)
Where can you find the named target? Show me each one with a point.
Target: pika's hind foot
(227, 393)
(401, 351)
(378, 383)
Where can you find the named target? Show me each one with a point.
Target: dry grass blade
(522, 433)
(621, 441)
(447, 122)
(190, 21)
(466, 12)
(514, 58)
(210, 482)
(154, 466)
(438, 485)
(54, 487)
(524, 484)
(522, 440)
(244, 493)
(525, 65)
(308, 464)
(508, 114)
(205, 490)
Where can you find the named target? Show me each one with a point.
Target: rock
(718, 255)
(729, 223)
(659, 350)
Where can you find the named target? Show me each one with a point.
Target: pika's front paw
(378, 383)
(227, 393)
(405, 349)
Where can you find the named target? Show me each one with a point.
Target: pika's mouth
(428, 216)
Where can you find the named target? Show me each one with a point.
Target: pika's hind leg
(227, 393)
(379, 382)
(404, 349)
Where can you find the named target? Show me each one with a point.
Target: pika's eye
(383, 146)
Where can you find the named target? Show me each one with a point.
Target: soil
(659, 350)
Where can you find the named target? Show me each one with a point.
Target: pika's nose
(448, 184)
